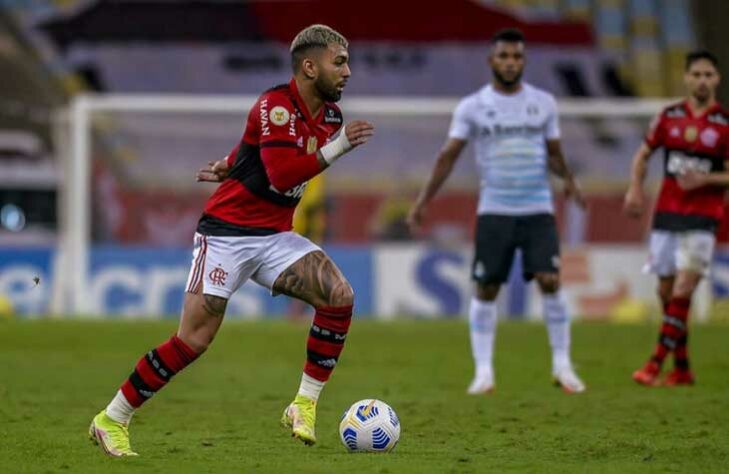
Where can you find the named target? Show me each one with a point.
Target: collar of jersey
(706, 113)
(300, 102)
(490, 91)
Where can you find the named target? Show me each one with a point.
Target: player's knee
(486, 292)
(683, 290)
(685, 285)
(548, 282)
(342, 294)
(664, 294)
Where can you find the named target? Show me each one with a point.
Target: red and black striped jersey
(270, 166)
(690, 142)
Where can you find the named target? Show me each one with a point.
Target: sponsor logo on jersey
(311, 145)
(218, 276)
(720, 119)
(679, 163)
(690, 133)
(297, 191)
(676, 112)
(532, 109)
(510, 130)
(279, 115)
(292, 125)
(331, 117)
(265, 131)
(709, 137)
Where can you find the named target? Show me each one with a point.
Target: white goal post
(75, 133)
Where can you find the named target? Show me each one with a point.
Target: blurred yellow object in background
(6, 308)
(630, 310)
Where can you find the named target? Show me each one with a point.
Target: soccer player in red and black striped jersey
(293, 133)
(694, 135)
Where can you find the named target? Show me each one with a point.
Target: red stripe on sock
(317, 372)
(131, 394)
(174, 354)
(677, 308)
(149, 374)
(336, 319)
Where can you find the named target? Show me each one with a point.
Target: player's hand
(572, 191)
(691, 179)
(358, 132)
(216, 172)
(415, 217)
(634, 204)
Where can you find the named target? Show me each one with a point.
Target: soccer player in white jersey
(516, 133)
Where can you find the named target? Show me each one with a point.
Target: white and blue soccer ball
(370, 425)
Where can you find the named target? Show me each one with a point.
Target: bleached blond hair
(314, 36)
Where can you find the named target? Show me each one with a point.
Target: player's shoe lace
(300, 416)
(110, 435)
(567, 378)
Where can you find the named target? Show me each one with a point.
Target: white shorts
(673, 251)
(223, 264)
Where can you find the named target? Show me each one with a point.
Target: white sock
(310, 387)
(482, 324)
(558, 327)
(119, 409)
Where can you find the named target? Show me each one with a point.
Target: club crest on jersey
(709, 137)
(311, 144)
(690, 133)
(279, 115)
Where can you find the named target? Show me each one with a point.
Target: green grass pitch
(221, 415)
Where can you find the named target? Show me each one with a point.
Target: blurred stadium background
(109, 107)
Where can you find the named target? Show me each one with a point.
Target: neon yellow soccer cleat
(300, 416)
(112, 436)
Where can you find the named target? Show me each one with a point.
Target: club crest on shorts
(218, 276)
(279, 115)
(555, 261)
(311, 144)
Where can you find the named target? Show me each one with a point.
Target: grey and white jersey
(510, 133)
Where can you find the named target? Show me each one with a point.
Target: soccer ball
(370, 425)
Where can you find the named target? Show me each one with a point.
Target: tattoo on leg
(215, 305)
(314, 279)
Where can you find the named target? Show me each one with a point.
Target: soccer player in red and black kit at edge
(245, 233)
(694, 135)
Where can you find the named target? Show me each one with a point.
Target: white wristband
(336, 148)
